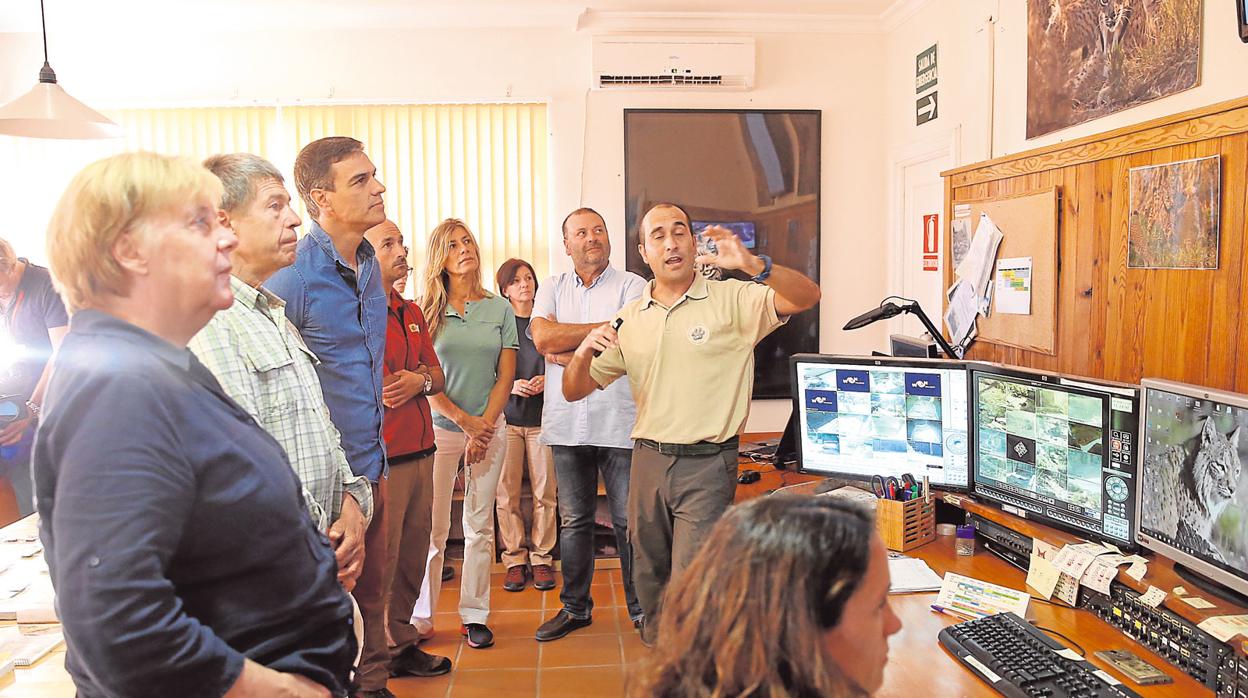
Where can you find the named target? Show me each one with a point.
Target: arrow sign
(925, 109)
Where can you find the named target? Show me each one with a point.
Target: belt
(701, 448)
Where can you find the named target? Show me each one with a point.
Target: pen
(951, 612)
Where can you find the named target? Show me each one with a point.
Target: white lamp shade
(47, 111)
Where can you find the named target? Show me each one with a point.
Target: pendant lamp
(47, 111)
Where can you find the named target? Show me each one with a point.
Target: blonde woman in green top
(474, 332)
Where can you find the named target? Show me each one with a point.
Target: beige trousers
(522, 448)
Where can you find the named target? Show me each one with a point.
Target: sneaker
(416, 662)
(448, 573)
(479, 636)
(559, 626)
(543, 577)
(516, 578)
(379, 693)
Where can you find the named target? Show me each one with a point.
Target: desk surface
(918, 665)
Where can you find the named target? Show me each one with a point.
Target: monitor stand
(1209, 586)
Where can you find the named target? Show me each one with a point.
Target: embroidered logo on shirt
(413, 327)
(698, 334)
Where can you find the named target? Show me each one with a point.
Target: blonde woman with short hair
(168, 517)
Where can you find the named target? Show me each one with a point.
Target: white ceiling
(127, 16)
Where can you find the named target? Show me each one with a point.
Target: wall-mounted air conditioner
(673, 63)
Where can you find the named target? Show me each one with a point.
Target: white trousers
(480, 487)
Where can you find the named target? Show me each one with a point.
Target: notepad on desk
(908, 575)
(974, 598)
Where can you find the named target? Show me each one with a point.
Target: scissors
(884, 487)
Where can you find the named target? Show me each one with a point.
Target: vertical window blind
(483, 163)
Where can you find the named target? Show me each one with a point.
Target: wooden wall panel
(1120, 323)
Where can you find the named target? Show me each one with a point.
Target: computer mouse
(748, 476)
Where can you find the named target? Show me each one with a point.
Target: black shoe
(448, 573)
(379, 693)
(479, 636)
(559, 626)
(416, 662)
(637, 624)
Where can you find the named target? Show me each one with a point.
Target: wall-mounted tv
(755, 172)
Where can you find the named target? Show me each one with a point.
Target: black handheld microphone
(615, 325)
(883, 312)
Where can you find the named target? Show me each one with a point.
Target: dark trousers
(576, 470)
(370, 594)
(673, 503)
(409, 518)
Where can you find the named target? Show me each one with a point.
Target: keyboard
(1019, 660)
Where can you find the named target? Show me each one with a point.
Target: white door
(922, 244)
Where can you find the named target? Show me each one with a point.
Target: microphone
(883, 312)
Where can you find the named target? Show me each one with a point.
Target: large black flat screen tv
(756, 169)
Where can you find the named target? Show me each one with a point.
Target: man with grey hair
(263, 364)
(33, 324)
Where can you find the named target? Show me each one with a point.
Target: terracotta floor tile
(507, 653)
(412, 687)
(634, 651)
(582, 682)
(528, 600)
(615, 575)
(446, 644)
(513, 624)
(492, 683)
(582, 650)
(604, 623)
(603, 595)
(446, 623)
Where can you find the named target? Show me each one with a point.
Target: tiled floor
(589, 662)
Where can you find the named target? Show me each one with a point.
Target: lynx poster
(1091, 58)
(1173, 216)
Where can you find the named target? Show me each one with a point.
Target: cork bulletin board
(1029, 226)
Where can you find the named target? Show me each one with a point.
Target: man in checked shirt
(263, 364)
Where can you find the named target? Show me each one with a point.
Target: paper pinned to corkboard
(1029, 224)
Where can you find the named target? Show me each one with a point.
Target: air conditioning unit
(673, 63)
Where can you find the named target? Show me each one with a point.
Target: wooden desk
(919, 666)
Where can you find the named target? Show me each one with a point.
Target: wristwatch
(428, 383)
(766, 272)
(34, 409)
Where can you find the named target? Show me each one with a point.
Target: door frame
(946, 143)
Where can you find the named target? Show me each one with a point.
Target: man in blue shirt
(592, 434)
(334, 297)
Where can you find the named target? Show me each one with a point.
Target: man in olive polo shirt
(687, 346)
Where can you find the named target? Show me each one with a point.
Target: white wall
(840, 74)
(962, 33)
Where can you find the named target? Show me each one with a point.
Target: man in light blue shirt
(589, 435)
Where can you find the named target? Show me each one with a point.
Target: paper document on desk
(908, 575)
(975, 598)
(1102, 571)
(1225, 627)
(1075, 559)
(1041, 574)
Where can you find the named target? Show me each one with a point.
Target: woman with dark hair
(787, 598)
(518, 283)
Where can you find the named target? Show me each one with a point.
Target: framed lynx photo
(1091, 58)
(1173, 215)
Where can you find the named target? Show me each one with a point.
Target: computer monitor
(1057, 449)
(860, 416)
(905, 345)
(1193, 503)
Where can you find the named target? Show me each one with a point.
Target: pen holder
(905, 525)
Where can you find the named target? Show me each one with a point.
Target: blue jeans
(576, 470)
